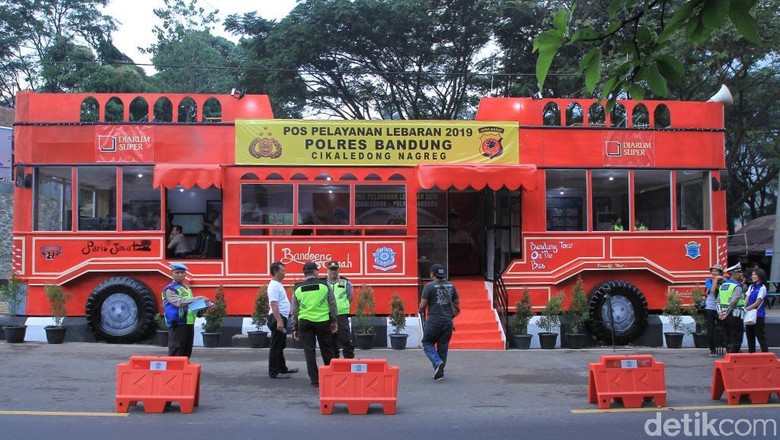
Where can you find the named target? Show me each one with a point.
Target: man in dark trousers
(732, 309)
(176, 297)
(314, 319)
(344, 293)
(440, 300)
(279, 311)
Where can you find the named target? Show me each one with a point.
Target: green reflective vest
(184, 292)
(726, 291)
(313, 302)
(340, 292)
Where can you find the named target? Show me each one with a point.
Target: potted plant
(162, 330)
(258, 338)
(213, 316)
(398, 321)
(674, 311)
(550, 321)
(699, 317)
(12, 294)
(364, 312)
(519, 324)
(57, 297)
(577, 316)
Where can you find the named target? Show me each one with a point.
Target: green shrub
(57, 297)
(397, 316)
(260, 313)
(215, 313)
(523, 314)
(578, 312)
(551, 313)
(364, 311)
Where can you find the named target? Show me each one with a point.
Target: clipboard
(198, 305)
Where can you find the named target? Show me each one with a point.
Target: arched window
(573, 114)
(163, 110)
(552, 115)
(640, 117)
(90, 110)
(188, 110)
(212, 110)
(139, 110)
(618, 116)
(115, 110)
(396, 176)
(596, 114)
(249, 176)
(662, 116)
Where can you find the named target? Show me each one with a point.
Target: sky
(135, 20)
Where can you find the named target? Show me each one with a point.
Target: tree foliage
(629, 52)
(53, 45)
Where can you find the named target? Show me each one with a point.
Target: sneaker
(290, 371)
(713, 354)
(281, 376)
(438, 373)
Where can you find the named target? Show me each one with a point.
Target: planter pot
(522, 342)
(257, 339)
(211, 339)
(547, 340)
(674, 340)
(161, 337)
(14, 334)
(700, 340)
(55, 334)
(398, 340)
(364, 341)
(575, 340)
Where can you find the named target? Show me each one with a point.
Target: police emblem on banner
(490, 138)
(693, 250)
(265, 146)
(384, 259)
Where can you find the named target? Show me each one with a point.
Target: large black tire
(121, 311)
(629, 312)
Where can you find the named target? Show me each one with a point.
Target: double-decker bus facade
(540, 192)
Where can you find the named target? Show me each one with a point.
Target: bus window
(328, 204)
(266, 204)
(610, 200)
(52, 199)
(566, 201)
(140, 202)
(381, 205)
(652, 200)
(693, 200)
(97, 198)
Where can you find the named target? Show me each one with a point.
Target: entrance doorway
(473, 232)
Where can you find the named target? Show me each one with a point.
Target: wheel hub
(119, 314)
(623, 314)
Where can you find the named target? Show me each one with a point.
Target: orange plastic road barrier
(629, 379)
(157, 381)
(756, 375)
(358, 383)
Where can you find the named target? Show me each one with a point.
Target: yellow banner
(374, 143)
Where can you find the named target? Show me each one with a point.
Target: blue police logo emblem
(384, 259)
(693, 250)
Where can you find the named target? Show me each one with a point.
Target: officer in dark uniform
(344, 293)
(731, 309)
(314, 319)
(176, 296)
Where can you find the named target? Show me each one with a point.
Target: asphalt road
(535, 394)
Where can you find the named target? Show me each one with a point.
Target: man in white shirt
(277, 323)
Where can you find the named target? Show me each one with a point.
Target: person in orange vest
(176, 297)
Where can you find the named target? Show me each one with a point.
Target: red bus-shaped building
(531, 195)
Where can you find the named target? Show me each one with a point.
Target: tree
(188, 58)
(403, 59)
(633, 47)
(49, 44)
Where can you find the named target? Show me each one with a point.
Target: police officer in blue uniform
(176, 296)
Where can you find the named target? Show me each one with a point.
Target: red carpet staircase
(477, 327)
